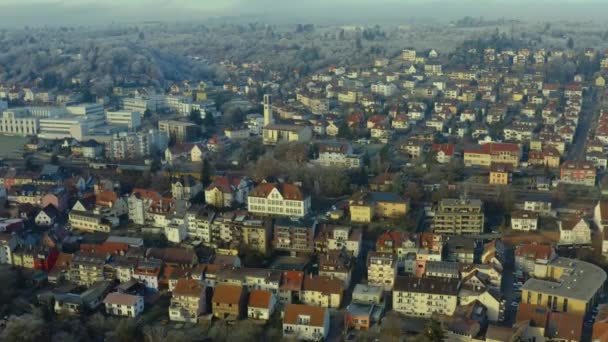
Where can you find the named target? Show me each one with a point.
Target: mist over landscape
(303, 170)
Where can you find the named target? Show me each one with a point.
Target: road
(577, 149)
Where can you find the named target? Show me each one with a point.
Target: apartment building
(459, 216)
(577, 172)
(381, 269)
(181, 131)
(280, 199)
(322, 291)
(131, 145)
(89, 222)
(87, 268)
(8, 243)
(188, 301)
(294, 235)
(422, 297)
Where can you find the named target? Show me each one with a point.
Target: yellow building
(565, 285)
(364, 206)
(322, 291)
(600, 81)
(23, 258)
(90, 222)
(500, 174)
(486, 154)
(381, 269)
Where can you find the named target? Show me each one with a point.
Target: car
(515, 304)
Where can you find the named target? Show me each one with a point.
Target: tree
(570, 43)
(195, 116)
(209, 120)
(25, 328)
(344, 131)
(206, 171)
(434, 332)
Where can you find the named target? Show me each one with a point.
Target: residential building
(574, 230)
(228, 301)
(322, 291)
(87, 268)
(225, 191)
(364, 206)
(529, 256)
(180, 131)
(422, 297)
(89, 222)
(459, 216)
(125, 305)
(294, 235)
(381, 269)
(261, 305)
(339, 155)
(280, 199)
(337, 238)
(337, 264)
(538, 206)
(486, 154)
(306, 322)
(500, 174)
(8, 243)
(186, 188)
(188, 301)
(524, 220)
(577, 172)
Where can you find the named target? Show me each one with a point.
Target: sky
(79, 12)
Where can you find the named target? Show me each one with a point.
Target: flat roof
(580, 280)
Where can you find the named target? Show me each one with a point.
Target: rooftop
(579, 280)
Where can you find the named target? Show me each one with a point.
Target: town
(428, 195)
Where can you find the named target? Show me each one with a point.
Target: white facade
(579, 234)
(8, 243)
(275, 204)
(17, 122)
(119, 304)
(124, 118)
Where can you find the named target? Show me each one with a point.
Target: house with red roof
(225, 191)
(444, 152)
(290, 287)
(278, 199)
(261, 304)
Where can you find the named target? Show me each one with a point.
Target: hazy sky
(70, 12)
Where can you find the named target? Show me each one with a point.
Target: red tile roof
(227, 294)
(317, 314)
(447, 149)
(259, 298)
(292, 280)
(530, 250)
(288, 191)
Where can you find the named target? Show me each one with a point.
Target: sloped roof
(317, 314)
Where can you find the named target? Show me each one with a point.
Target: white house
(305, 322)
(121, 304)
(8, 243)
(524, 220)
(261, 304)
(574, 231)
(600, 218)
